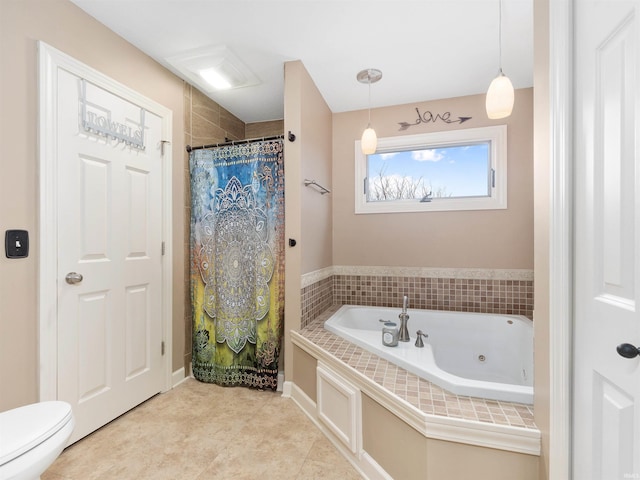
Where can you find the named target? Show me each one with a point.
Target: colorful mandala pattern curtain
(237, 263)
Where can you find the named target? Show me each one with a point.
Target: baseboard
(178, 377)
(370, 469)
(303, 401)
(286, 389)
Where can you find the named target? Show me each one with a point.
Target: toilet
(32, 437)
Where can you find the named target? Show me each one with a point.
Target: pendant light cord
(369, 123)
(500, 35)
(369, 76)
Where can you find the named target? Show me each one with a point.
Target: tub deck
(425, 396)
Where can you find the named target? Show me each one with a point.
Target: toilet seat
(30, 426)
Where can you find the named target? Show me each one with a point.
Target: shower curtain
(237, 263)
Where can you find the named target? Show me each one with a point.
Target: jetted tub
(473, 354)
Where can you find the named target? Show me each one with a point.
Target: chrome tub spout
(403, 335)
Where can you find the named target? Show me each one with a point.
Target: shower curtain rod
(234, 142)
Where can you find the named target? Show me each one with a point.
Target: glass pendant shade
(369, 141)
(499, 101)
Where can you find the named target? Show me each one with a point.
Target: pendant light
(499, 101)
(369, 141)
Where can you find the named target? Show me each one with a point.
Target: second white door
(607, 253)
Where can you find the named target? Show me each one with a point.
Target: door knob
(627, 350)
(72, 278)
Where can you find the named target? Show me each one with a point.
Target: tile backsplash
(486, 291)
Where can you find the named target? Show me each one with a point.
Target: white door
(606, 432)
(109, 238)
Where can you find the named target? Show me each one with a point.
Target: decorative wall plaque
(428, 116)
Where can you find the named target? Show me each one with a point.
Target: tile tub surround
(421, 394)
(461, 290)
(316, 298)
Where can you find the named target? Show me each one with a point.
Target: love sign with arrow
(428, 116)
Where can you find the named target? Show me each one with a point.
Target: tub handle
(419, 342)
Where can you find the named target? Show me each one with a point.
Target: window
(454, 170)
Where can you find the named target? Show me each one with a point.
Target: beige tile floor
(202, 431)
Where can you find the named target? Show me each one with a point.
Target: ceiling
(426, 49)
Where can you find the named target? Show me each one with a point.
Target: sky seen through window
(449, 171)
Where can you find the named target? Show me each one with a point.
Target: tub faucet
(403, 335)
(419, 342)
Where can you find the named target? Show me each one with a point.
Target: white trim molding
(496, 197)
(422, 272)
(50, 60)
(338, 407)
(316, 276)
(561, 238)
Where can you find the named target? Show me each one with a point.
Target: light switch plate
(16, 243)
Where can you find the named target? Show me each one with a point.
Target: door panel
(137, 325)
(92, 345)
(613, 437)
(95, 186)
(614, 166)
(138, 199)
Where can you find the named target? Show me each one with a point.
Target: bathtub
(471, 354)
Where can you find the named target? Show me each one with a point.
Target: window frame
(497, 200)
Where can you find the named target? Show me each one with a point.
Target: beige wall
(304, 372)
(472, 239)
(293, 72)
(65, 27)
(395, 446)
(315, 136)
(308, 213)
(405, 453)
(542, 178)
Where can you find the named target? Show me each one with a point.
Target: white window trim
(497, 135)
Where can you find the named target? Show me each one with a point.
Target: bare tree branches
(395, 187)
